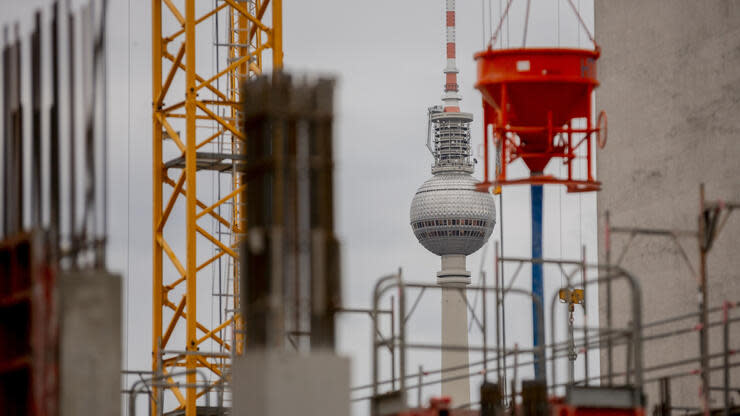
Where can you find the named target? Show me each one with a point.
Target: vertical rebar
(36, 200)
(54, 173)
(72, 157)
(18, 131)
(402, 336)
(103, 56)
(4, 136)
(14, 138)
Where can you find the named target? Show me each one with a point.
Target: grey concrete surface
(277, 383)
(670, 84)
(89, 343)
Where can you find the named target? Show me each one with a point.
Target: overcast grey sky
(387, 56)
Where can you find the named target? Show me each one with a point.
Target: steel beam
(538, 316)
(157, 184)
(217, 154)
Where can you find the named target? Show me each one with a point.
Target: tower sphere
(448, 215)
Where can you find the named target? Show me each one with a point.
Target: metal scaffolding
(578, 280)
(499, 358)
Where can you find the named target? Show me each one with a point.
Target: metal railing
(601, 338)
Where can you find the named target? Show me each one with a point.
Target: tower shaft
(451, 218)
(453, 278)
(455, 333)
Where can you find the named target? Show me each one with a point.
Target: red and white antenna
(448, 129)
(451, 97)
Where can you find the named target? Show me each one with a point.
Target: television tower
(450, 217)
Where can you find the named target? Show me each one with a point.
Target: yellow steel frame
(255, 32)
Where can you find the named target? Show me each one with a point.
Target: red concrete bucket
(534, 94)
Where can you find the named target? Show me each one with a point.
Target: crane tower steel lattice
(196, 138)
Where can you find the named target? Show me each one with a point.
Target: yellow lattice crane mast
(197, 226)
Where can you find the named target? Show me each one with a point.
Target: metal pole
(102, 55)
(14, 175)
(502, 286)
(157, 173)
(665, 396)
(159, 393)
(726, 354)
(585, 317)
(402, 336)
(637, 330)
(628, 359)
(54, 210)
(485, 329)
(609, 346)
(498, 316)
(277, 35)
(377, 291)
(703, 333)
(571, 344)
(374, 337)
(515, 375)
(393, 347)
(36, 200)
(553, 344)
(537, 286)
(500, 152)
(72, 214)
(419, 384)
(4, 138)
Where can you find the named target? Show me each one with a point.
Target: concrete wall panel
(670, 84)
(89, 343)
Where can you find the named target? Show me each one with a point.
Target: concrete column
(453, 278)
(279, 383)
(90, 347)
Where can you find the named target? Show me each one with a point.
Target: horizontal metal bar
(233, 45)
(198, 353)
(653, 231)
(361, 310)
